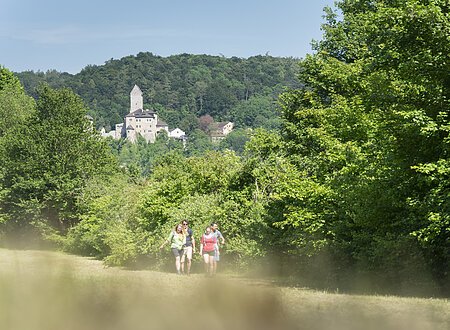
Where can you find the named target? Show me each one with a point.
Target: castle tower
(136, 99)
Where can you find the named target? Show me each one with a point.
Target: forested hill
(181, 87)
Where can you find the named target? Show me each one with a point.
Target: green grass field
(42, 290)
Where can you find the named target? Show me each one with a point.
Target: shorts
(210, 253)
(176, 252)
(187, 253)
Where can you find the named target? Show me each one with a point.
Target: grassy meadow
(41, 290)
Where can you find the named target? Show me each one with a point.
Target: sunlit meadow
(47, 290)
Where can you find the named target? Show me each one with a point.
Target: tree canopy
(370, 133)
(47, 157)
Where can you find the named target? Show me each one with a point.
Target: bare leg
(211, 265)
(206, 259)
(177, 264)
(188, 267)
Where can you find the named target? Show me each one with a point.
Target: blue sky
(69, 35)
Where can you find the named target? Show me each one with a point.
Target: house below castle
(138, 121)
(177, 134)
(218, 131)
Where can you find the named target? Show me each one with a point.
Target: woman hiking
(177, 240)
(207, 250)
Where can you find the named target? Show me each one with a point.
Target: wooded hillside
(180, 87)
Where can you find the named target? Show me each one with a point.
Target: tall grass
(46, 291)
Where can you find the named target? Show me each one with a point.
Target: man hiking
(220, 239)
(189, 248)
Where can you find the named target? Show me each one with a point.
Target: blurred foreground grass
(47, 290)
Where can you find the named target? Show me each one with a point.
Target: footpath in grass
(49, 290)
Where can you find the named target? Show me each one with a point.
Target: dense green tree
(370, 129)
(16, 109)
(48, 160)
(15, 106)
(107, 227)
(236, 140)
(198, 142)
(257, 111)
(8, 79)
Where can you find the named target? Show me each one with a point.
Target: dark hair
(185, 221)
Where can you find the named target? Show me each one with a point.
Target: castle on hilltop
(146, 123)
(138, 121)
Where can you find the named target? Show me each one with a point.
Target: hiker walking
(207, 249)
(176, 239)
(219, 239)
(189, 248)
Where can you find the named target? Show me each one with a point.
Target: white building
(177, 134)
(138, 121)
